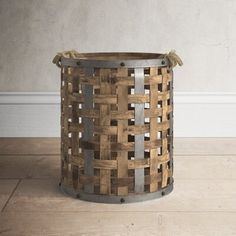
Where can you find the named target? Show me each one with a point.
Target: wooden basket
(116, 126)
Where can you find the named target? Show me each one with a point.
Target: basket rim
(117, 60)
(114, 56)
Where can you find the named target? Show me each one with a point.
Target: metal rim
(117, 199)
(142, 60)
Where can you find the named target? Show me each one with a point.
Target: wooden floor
(203, 201)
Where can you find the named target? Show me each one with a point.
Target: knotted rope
(67, 54)
(173, 58)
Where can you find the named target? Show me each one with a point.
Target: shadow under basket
(116, 127)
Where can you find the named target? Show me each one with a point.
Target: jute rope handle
(173, 58)
(67, 54)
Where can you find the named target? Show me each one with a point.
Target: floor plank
(118, 224)
(29, 146)
(29, 166)
(205, 167)
(205, 146)
(203, 201)
(6, 188)
(188, 195)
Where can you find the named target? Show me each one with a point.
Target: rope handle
(67, 54)
(173, 58)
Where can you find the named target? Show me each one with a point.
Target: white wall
(202, 32)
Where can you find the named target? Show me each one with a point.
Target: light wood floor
(203, 201)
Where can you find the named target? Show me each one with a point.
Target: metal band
(87, 91)
(114, 63)
(139, 120)
(118, 199)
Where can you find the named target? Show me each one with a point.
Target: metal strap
(139, 120)
(114, 64)
(87, 91)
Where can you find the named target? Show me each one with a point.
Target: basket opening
(119, 56)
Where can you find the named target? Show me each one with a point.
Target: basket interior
(111, 56)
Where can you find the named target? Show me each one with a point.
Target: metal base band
(117, 199)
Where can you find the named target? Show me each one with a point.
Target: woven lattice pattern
(116, 129)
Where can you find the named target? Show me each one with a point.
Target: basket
(116, 126)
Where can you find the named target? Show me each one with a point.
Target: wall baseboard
(196, 114)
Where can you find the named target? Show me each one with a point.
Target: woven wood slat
(104, 144)
(64, 130)
(119, 80)
(122, 135)
(121, 146)
(126, 115)
(164, 132)
(112, 130)
(153, 131)
(112, 164)
(112, 99)
(75, 134)
(121, 182)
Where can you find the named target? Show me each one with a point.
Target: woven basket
(116, 126)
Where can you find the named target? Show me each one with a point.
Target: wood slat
(112, 99)
(122, 136)
(112, 164)
(120, 80)
(64, 127)
(112, 130)
(75, 134)
(117, 115)
(164, 147)
(153, 131)
(115, 146)
(104, 119)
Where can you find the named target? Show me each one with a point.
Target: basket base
(117, 199)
